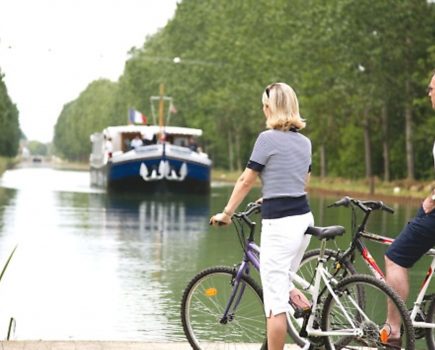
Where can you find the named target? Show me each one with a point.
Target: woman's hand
(429, 204)
(220, 219)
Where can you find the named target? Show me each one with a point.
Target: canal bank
(99, 345)
(397, 191)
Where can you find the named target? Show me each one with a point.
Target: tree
(9, 125)
(359, 69)
(89, 113)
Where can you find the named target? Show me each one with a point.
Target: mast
(161, 106)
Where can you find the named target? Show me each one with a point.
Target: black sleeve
(255, 166)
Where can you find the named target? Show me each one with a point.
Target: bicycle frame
(323, 275)
(251, 257)
(368, 259)
(373, 266)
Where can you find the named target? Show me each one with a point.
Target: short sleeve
(260, 152)
(255, 166)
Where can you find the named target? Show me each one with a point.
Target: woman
(282, 158)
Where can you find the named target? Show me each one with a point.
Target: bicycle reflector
(210, 292)
(383, 334)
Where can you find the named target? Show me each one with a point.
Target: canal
(93, 266)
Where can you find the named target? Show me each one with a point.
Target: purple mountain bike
(223, 306)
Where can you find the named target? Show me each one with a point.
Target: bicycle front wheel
(430, 318)
(346, 311)
(219, 312)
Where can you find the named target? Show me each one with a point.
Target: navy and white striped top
(283, 159)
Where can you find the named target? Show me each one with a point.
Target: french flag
(136, 117)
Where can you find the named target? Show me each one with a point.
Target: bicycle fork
(236, 293)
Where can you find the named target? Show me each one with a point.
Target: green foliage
(349, 62)
(91, 112)
(349, 162)
(37, 148)
(9, 125)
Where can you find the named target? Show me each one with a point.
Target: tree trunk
(368, 152)
(408, 133)
(385, 148)
(238, 158)
(230, 151)
(322, 160)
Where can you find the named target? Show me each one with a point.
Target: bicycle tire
(370, 321)
(204, 301)
(307, 270)
(430, 318)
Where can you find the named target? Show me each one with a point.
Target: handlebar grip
(387, 208)
(219, 223)
(378, 205)
(345, 201)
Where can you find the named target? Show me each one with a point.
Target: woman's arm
(244, 184)
(307, 180)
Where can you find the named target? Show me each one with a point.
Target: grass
(3, 165)
(6, 163)
(398, 189)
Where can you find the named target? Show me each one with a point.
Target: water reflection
(93, 266)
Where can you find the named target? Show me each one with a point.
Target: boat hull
(150, 170)
(135, 184)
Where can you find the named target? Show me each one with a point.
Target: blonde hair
(283, 106)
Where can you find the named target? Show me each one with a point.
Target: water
(90, 266)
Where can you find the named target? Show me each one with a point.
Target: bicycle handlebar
(251, 208)
(365, 206)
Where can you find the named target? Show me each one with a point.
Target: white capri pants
(283, 244)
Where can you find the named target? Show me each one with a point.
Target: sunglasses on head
(267, 90)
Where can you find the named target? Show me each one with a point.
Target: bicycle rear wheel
(306, 270)
(430, 318)
(203, 306)
(368, 316)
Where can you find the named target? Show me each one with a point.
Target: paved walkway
(97, 345)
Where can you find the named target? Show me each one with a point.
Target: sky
(51, 50)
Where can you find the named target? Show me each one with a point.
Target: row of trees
(9, 126)
(359, 67)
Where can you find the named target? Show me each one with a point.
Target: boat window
(126, 138)
(169, 138)
(180, 141)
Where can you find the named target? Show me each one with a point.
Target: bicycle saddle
(327, 232)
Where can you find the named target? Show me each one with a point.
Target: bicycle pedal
(301, 312)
